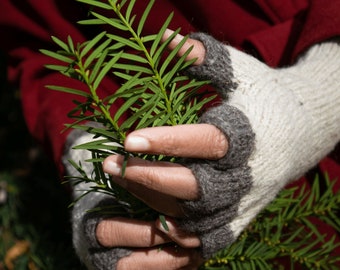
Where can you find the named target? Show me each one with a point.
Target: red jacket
(275, 31)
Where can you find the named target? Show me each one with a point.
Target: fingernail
(165, 225)
(112, 167)
(167, 33)
(136, 143)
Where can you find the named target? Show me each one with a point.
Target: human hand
(160, 185)
(178, 182)
(100, 241)
(139, 241)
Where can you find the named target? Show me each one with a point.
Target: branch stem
(150, 61)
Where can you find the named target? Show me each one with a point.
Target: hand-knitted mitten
(84, 223)
(279, 124)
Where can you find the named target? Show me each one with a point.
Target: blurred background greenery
(35, 231)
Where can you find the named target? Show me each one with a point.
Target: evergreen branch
(284, 230)
(108, 53)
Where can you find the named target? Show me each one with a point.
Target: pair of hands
(160, 185)
(247, 150)
(250, 146)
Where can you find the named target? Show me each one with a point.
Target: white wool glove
(279, 123)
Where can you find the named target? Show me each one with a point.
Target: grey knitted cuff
(216, 66)
(216, 240)
(237, 129)
(222, 183)
(99, 257)
(102, 258)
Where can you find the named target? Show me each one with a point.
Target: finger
(129, 233)
(195, 141)
(198, 50)
(160, 202)
(164, 177)
(167, 258)
(180, 237)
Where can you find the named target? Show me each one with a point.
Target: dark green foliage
(286, 230)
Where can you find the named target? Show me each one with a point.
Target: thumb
(198, 50)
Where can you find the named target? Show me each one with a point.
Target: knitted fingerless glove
(279, 124)
(84, 222)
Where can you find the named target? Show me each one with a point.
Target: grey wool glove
(84, 222)
(279, 124)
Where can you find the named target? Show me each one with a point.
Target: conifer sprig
(153, 88)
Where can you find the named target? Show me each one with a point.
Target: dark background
(35, 230)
